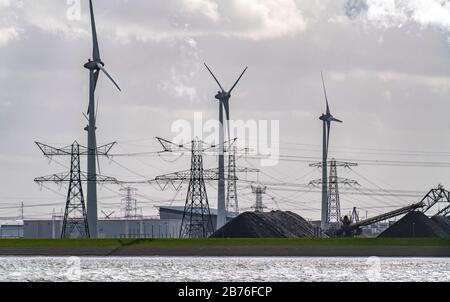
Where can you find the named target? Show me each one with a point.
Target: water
(223, 269)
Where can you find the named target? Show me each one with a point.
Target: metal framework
(259, 191)
(197, 221)
(130, 202)
(196, 198)
(232, 203)
(75, 223)
(444, 212)
(432, 198)
(435, 196)
(334, 204)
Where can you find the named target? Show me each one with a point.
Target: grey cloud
(391, 92)
(353, 8)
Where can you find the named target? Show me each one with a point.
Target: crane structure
(430, 200)
(75, 223)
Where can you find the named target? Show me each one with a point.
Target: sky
(385, 62)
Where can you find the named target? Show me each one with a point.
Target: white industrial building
(167, 225)
(109, 228)
(11, 229)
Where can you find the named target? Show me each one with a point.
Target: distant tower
(197, 222)
(334, 204)
(259, 191)
(130, 203)
(333, 182)
(21, 211)
(232, 198)
(355, 215)
(75, 224)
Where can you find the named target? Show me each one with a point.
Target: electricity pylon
(130, 202)
(334, 204)
(75, 216)
(259, 191)
(196, 223)
(75, 223)
(232, 203)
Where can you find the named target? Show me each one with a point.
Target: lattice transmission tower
(75, 216)
(232, 203)
(196, 217)
(334, 181)
(129, 203)
(75, 223)
(197, 221)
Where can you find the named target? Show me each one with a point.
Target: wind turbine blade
(214, 77)
(96, 74)
(237, 82)
(328, 135)
(226, 106)
(336, 120)
(96, 51)
(107, 74)
(326, 95)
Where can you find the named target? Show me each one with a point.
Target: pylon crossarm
(55, 178)
(169, 146)
(338, 164)
(60, 178)
(50, 151)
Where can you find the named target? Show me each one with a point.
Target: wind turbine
(95, 66)
(327, 119)
(224, 104)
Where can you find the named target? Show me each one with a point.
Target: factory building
(11, 229)
(108, 229)
(167, 225)
(176, 213)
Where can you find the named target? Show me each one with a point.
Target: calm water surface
(223, 269)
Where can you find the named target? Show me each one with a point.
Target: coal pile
(415, 224)
(443, 222)
(275, 224)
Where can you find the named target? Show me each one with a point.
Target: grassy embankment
(205, 243)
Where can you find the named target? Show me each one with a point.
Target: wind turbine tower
(223, 97)
(327, 119)
(94, 65)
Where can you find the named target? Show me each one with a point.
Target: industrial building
(176, 213)
(109, 228)
(11, 229)
(166, 226)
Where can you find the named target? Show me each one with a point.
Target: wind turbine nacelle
(223, 96)
(92, 65)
